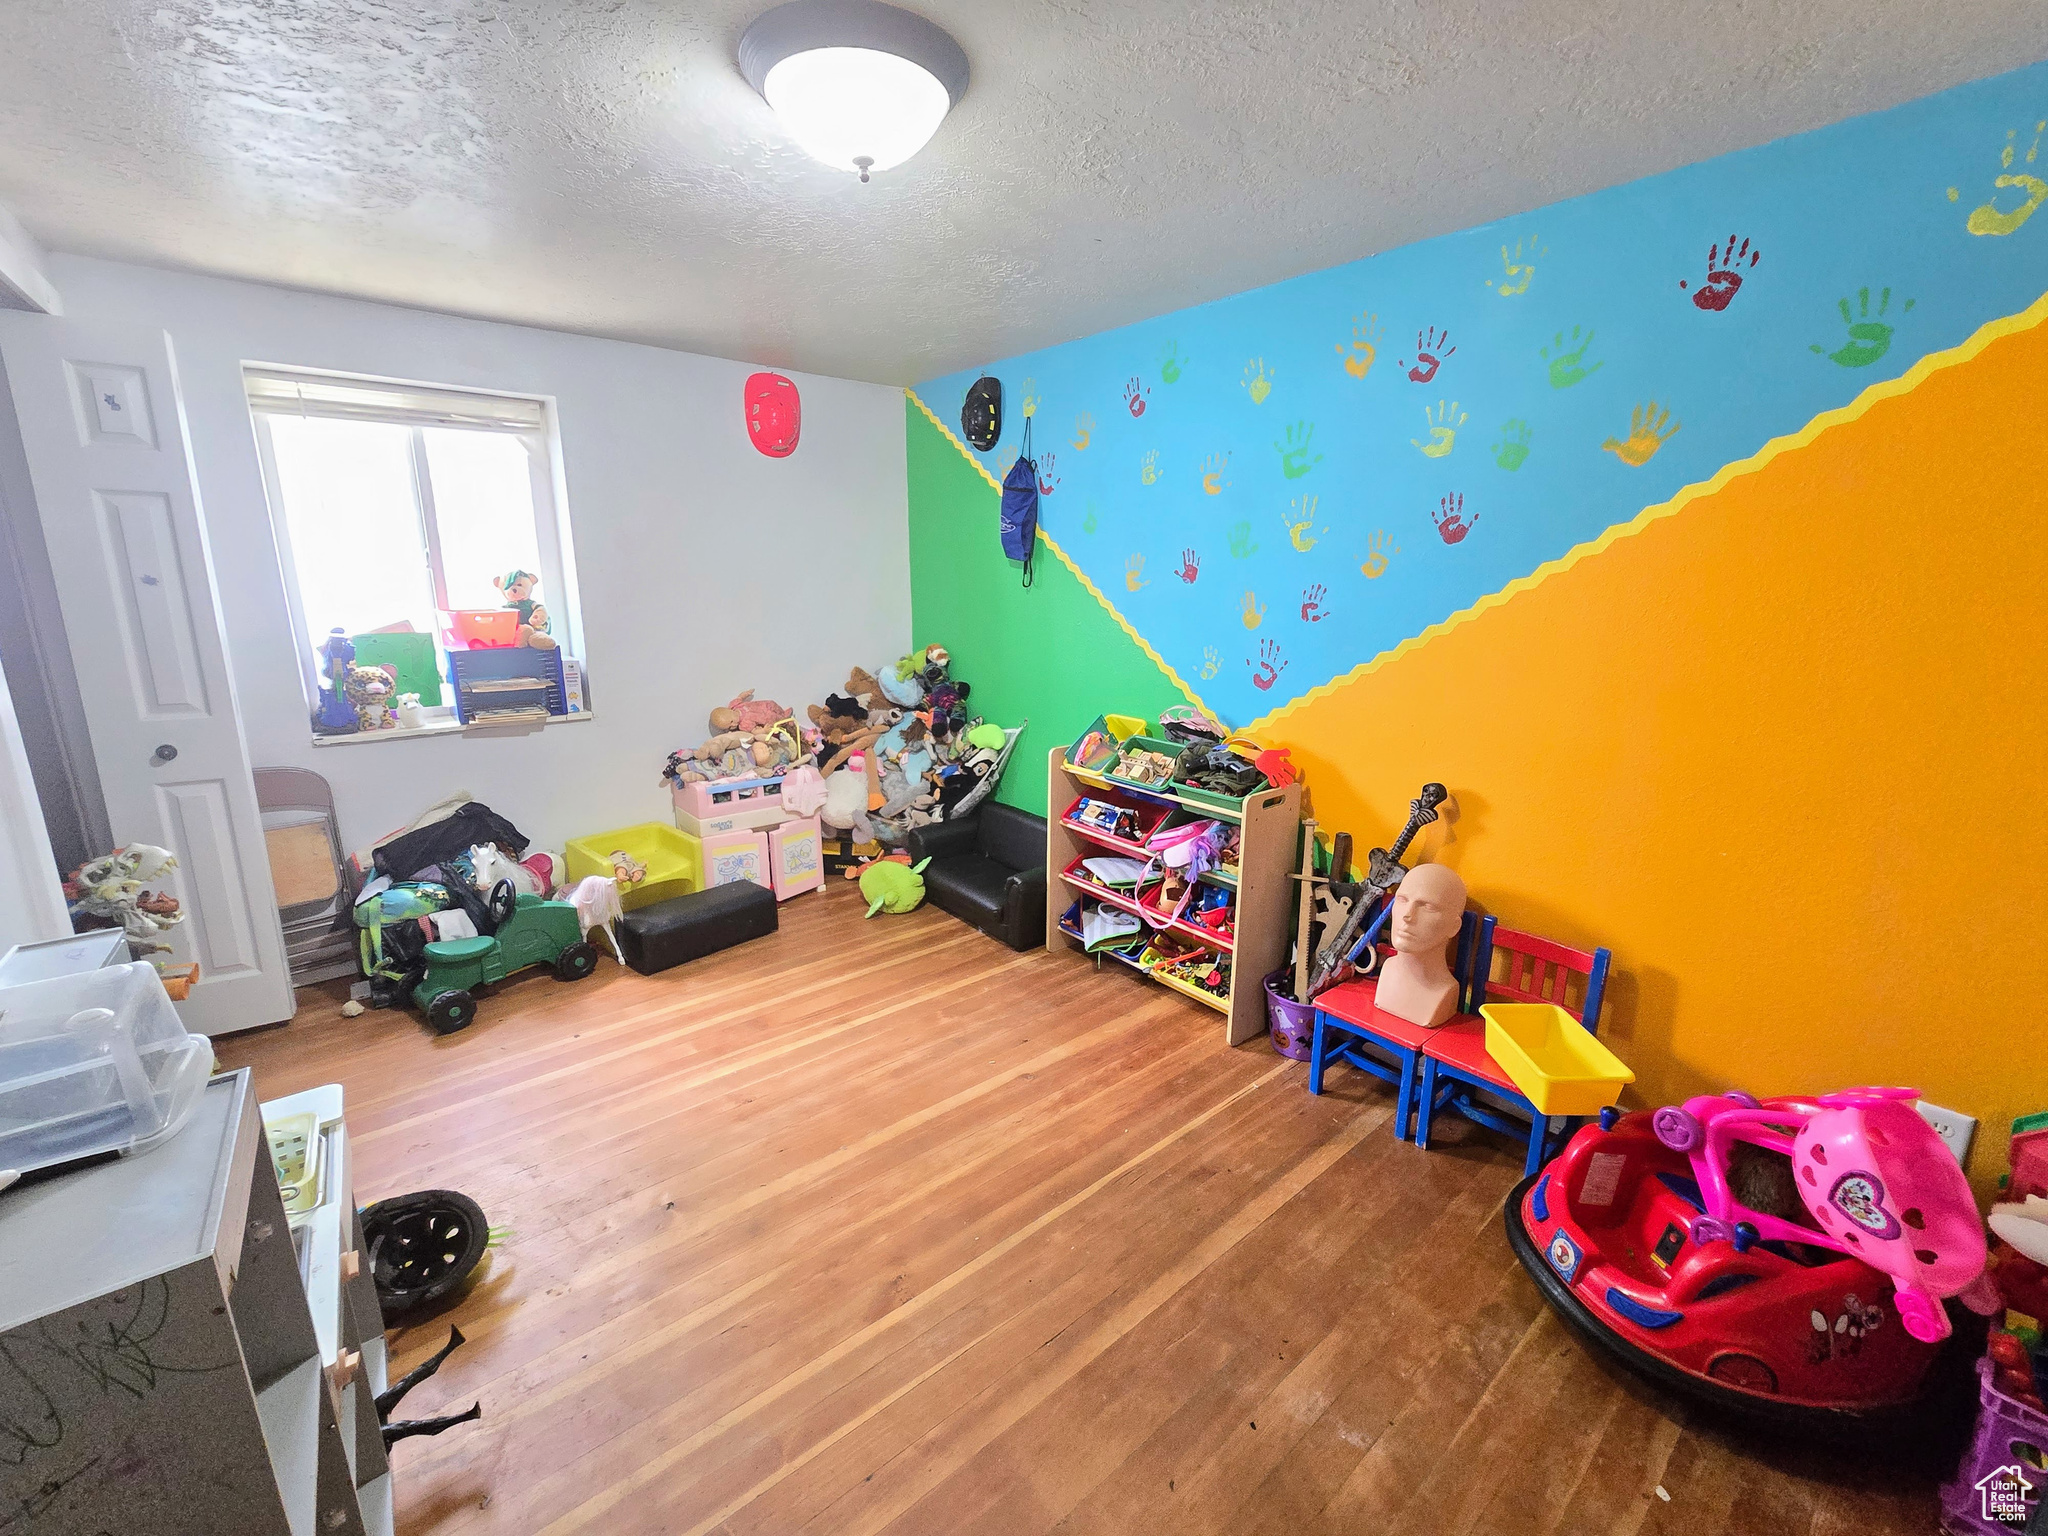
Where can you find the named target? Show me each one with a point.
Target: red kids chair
(1455, 1065)
(1351, 1028)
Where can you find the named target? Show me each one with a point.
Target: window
(397, 504)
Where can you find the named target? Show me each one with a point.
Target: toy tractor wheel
(575, 962)
(450, 1011)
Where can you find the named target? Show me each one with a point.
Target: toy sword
(1384, 871)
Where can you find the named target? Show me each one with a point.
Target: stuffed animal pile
(896, 750)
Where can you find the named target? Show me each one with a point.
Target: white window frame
(550, 513)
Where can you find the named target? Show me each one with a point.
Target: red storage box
(485, 628)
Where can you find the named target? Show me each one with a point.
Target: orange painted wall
(1783, 752)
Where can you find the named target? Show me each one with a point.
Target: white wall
(31, 896)
(704, 567)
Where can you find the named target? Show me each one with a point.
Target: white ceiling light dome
(860, 85)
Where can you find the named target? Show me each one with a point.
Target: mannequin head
(1429, 904)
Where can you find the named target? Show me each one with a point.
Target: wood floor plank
(875, 1228)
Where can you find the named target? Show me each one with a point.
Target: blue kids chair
(1455, 1063)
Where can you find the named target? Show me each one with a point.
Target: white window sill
(441, 723)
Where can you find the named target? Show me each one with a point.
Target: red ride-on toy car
(1787, 1333)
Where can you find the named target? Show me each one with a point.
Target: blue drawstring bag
(1020, 507)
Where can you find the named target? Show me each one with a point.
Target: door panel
(142, 555)
(105, 440)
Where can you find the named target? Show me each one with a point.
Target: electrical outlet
(1954, 1128)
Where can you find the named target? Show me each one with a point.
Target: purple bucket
(1293, 1024)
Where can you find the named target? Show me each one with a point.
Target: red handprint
(1450, 522)
(1312, 611)
(1724, 281)
(1267, 669)
(1134, 396)
(1048, 482)
(1430, 351)
(1190, 567)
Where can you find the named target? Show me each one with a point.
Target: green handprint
(1513, 446)
(1241, 545)
(1088, 522)
(1870, 337)
(1211, 662)
(1171, 364)
(1565, 368)
(1295, 460)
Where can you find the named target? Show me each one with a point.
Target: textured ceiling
(600, 166)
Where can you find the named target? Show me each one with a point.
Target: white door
(105, 434)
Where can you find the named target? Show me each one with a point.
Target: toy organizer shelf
(1271, 823)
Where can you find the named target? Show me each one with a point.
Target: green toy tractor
(527, 931)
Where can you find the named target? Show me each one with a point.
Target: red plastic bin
(485, 628)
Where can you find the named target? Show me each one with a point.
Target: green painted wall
(1051, 655)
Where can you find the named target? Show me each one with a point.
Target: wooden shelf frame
(1268, 854)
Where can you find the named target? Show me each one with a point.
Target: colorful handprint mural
(1732, 293)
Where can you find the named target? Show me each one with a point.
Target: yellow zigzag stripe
(1067, 560)
(1928, 365)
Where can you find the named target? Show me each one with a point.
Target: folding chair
(1456, 1068)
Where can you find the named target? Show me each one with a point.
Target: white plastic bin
(91, 1063)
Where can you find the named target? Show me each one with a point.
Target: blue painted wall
(1269, 502)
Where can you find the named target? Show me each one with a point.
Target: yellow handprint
(1378, 551)
(1211, 662)
(1030, 398)
(1084, 430)
(1301, 527)
(1647, 433)
(1212, 474)
(1148, 467)
(1254, 615)
(1257, 382)
(1365, 345)
(1134, 573)
(1519, 271)
(1988, 218)
(1444, 421)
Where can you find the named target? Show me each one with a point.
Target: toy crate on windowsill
(506, 677)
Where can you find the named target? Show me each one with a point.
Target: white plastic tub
(91, 1063)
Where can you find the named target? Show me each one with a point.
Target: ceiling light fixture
(859, 84)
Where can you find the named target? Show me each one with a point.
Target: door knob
(164, 753)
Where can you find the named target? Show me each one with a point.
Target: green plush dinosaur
(889, 886)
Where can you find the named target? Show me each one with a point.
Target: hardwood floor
(876, 1226)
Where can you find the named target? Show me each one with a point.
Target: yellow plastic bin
(674, 860)
(1553, 1058)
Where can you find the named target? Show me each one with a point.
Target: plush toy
(955, 784)
(517, 586)
(336, 716)
(409, 716)
(626, 869)
(838, 720)
(846, 799)
(892, 887)
(903, 683)
(989, 737)
(747, 713)
(946, 709)
(370, 690)
(110, 892)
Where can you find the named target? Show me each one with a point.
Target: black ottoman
(698, 924)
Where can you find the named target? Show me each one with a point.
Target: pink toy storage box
(796, 857)
(734, 856)
(728, 805)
